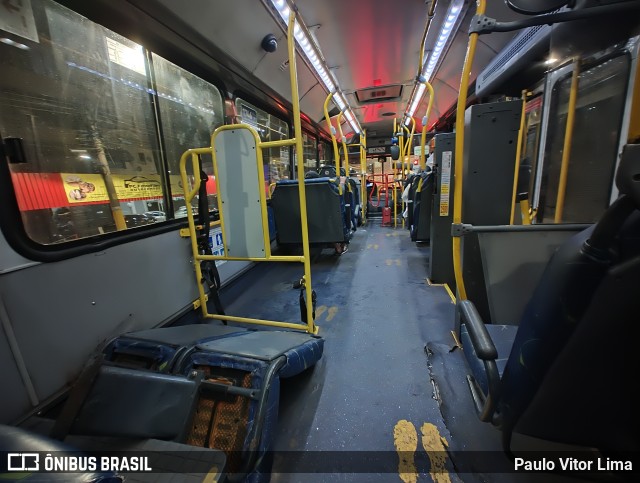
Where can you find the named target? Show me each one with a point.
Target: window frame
(549, 107)
(12, 225)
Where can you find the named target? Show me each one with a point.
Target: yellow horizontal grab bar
(251, 259)
(277, 144)
(246, 320)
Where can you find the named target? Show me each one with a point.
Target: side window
(309, 153)
(101, 126)
(531, 141)
(190, 110)
(598, 118)
(77, 96)
(310, 150)
(270, 128)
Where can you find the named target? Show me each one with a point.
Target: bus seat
(158, 349)
(300, 350)
(125, 402)
(254, 361)
(422, 201)
(325, 212)
(538, 378)
(327, 171)
(271, 221)
(414, 181)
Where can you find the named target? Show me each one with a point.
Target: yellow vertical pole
(633, 135)
(457, 192)
(105, 171)
(524, 210)
(344, 149)
(410, 136)
(568, 137)
(423, 139)
(395, 205)
(332, 130)
(311, 327)
(401, 143)
(363, 175)
(340, 141)
(516, 172)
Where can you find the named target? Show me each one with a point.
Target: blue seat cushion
(159, 347)
(301, 350)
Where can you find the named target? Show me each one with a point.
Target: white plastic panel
(513, 264)
(239, 190)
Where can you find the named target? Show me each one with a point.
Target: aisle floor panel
(375, 311)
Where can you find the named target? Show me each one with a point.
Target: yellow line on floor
(320, 310)
(405, 439)
(331, 313)
(434, 444)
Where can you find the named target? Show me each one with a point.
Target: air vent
(524, 47)
(512, 57)
(379, 93)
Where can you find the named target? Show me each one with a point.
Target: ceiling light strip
(433, 61)
(314, 57)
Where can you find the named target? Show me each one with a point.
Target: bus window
(309, 153)
(596, 134)
(270, 128)
(325, 153)
(77, 95)
(190, 110)
(531, 140)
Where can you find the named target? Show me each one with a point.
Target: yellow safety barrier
(568, 137)
(481, 6)
(260, 146)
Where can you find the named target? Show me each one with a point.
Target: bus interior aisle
(371, 403)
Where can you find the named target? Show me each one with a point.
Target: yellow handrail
(363, 175)
(344, 149)
(516, 172)
(430, 12)
(400, 135)
(301, 192)
(423, 139)
(568, 137)
(336, 154)
(457, 192)
(260, 146)
(407, 146)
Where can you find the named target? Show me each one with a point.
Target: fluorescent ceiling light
(13, 43)
(450, 21)
(431, 62)
(313, 55)
(339, 101)
(417, 97)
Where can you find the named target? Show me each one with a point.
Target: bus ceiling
(360, 54)
(373, 65)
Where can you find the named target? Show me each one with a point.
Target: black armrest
(486, 351)
(480, 338)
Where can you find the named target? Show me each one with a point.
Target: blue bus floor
(375, 399)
